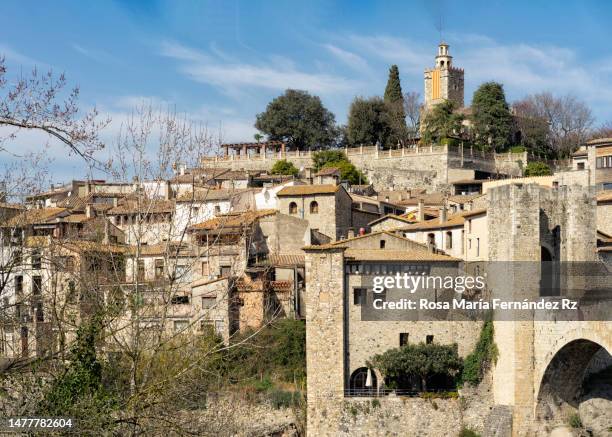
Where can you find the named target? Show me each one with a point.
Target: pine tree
(491, 116)
(394, 100)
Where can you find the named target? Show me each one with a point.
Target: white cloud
(347, 57)
(279, 73)
(93, 54)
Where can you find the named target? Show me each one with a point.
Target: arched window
(362, 385)
(293, 208)
(449, 240)
(314, 207)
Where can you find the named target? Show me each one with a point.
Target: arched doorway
(363, 382)
(549, 284)
(567, 378)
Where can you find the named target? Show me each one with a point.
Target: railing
(382, 392)
(411, 150)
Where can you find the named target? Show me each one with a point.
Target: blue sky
(222, 61)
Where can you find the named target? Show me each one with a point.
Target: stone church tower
(444, 81)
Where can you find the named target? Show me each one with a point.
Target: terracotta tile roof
(429, 199)
(604, 196)
(147, 206)
(11, 206)
(461, 199)
(427, 211)
(284, 259)
(306, 190)
(395, 255)
(35, 216)
(599, 141)
(76, 218)
(454, 220)
(400, 218)
(475, 212)
(204, 194)
(233, 220)
(328, 171)
(343, 243)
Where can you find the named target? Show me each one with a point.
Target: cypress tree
(491, 116)
(394, 100)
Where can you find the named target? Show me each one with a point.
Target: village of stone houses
(216, 288)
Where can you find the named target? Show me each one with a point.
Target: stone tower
(444, 81)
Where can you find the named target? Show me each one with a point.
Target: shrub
(517, 149)
(284, 167)
(537, 169)
(284, 399)
(467, 432)
(574, 421)
(485, 352)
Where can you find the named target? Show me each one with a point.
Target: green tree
(422, 360)
(336, 158)
(298, 118)
(394, 100)
(368, 121)
(491, 116)
(79, 392)
(441, 122)
(537, 169)
(284, 167)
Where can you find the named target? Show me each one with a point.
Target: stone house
(250, 249)
(604, 212)
(327, 208)
(443, 233)
(144, 220)
(596, 156)
(341, 337)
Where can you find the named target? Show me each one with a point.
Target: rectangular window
(141, 270)
(469, 226)
(40, 316)
(159, 268)
(226, 271)
(359, 296)
(403, 339)
(205, 268)
(219, 327)
(477, 246)
(179, 300)
(208, 302)
(17, 258)
(36, 285)
(18, 284)
(207, 326)
(36, 259)
(581, 166)
(180, 325)
(429, 339)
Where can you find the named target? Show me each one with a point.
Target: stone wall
(415, 167)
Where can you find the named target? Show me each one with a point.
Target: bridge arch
(564, 372)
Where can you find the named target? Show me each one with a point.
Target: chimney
(421, 210)
(443, 214)
(169, 193)
(89, 211)
(351, 233)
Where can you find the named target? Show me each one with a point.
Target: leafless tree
(569, 119)
(41, 102)
(603, 131)
(412, 109)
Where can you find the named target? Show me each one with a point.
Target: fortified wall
(432, 167)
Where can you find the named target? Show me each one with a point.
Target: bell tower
(444, 81)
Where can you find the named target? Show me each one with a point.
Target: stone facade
(444, 81)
